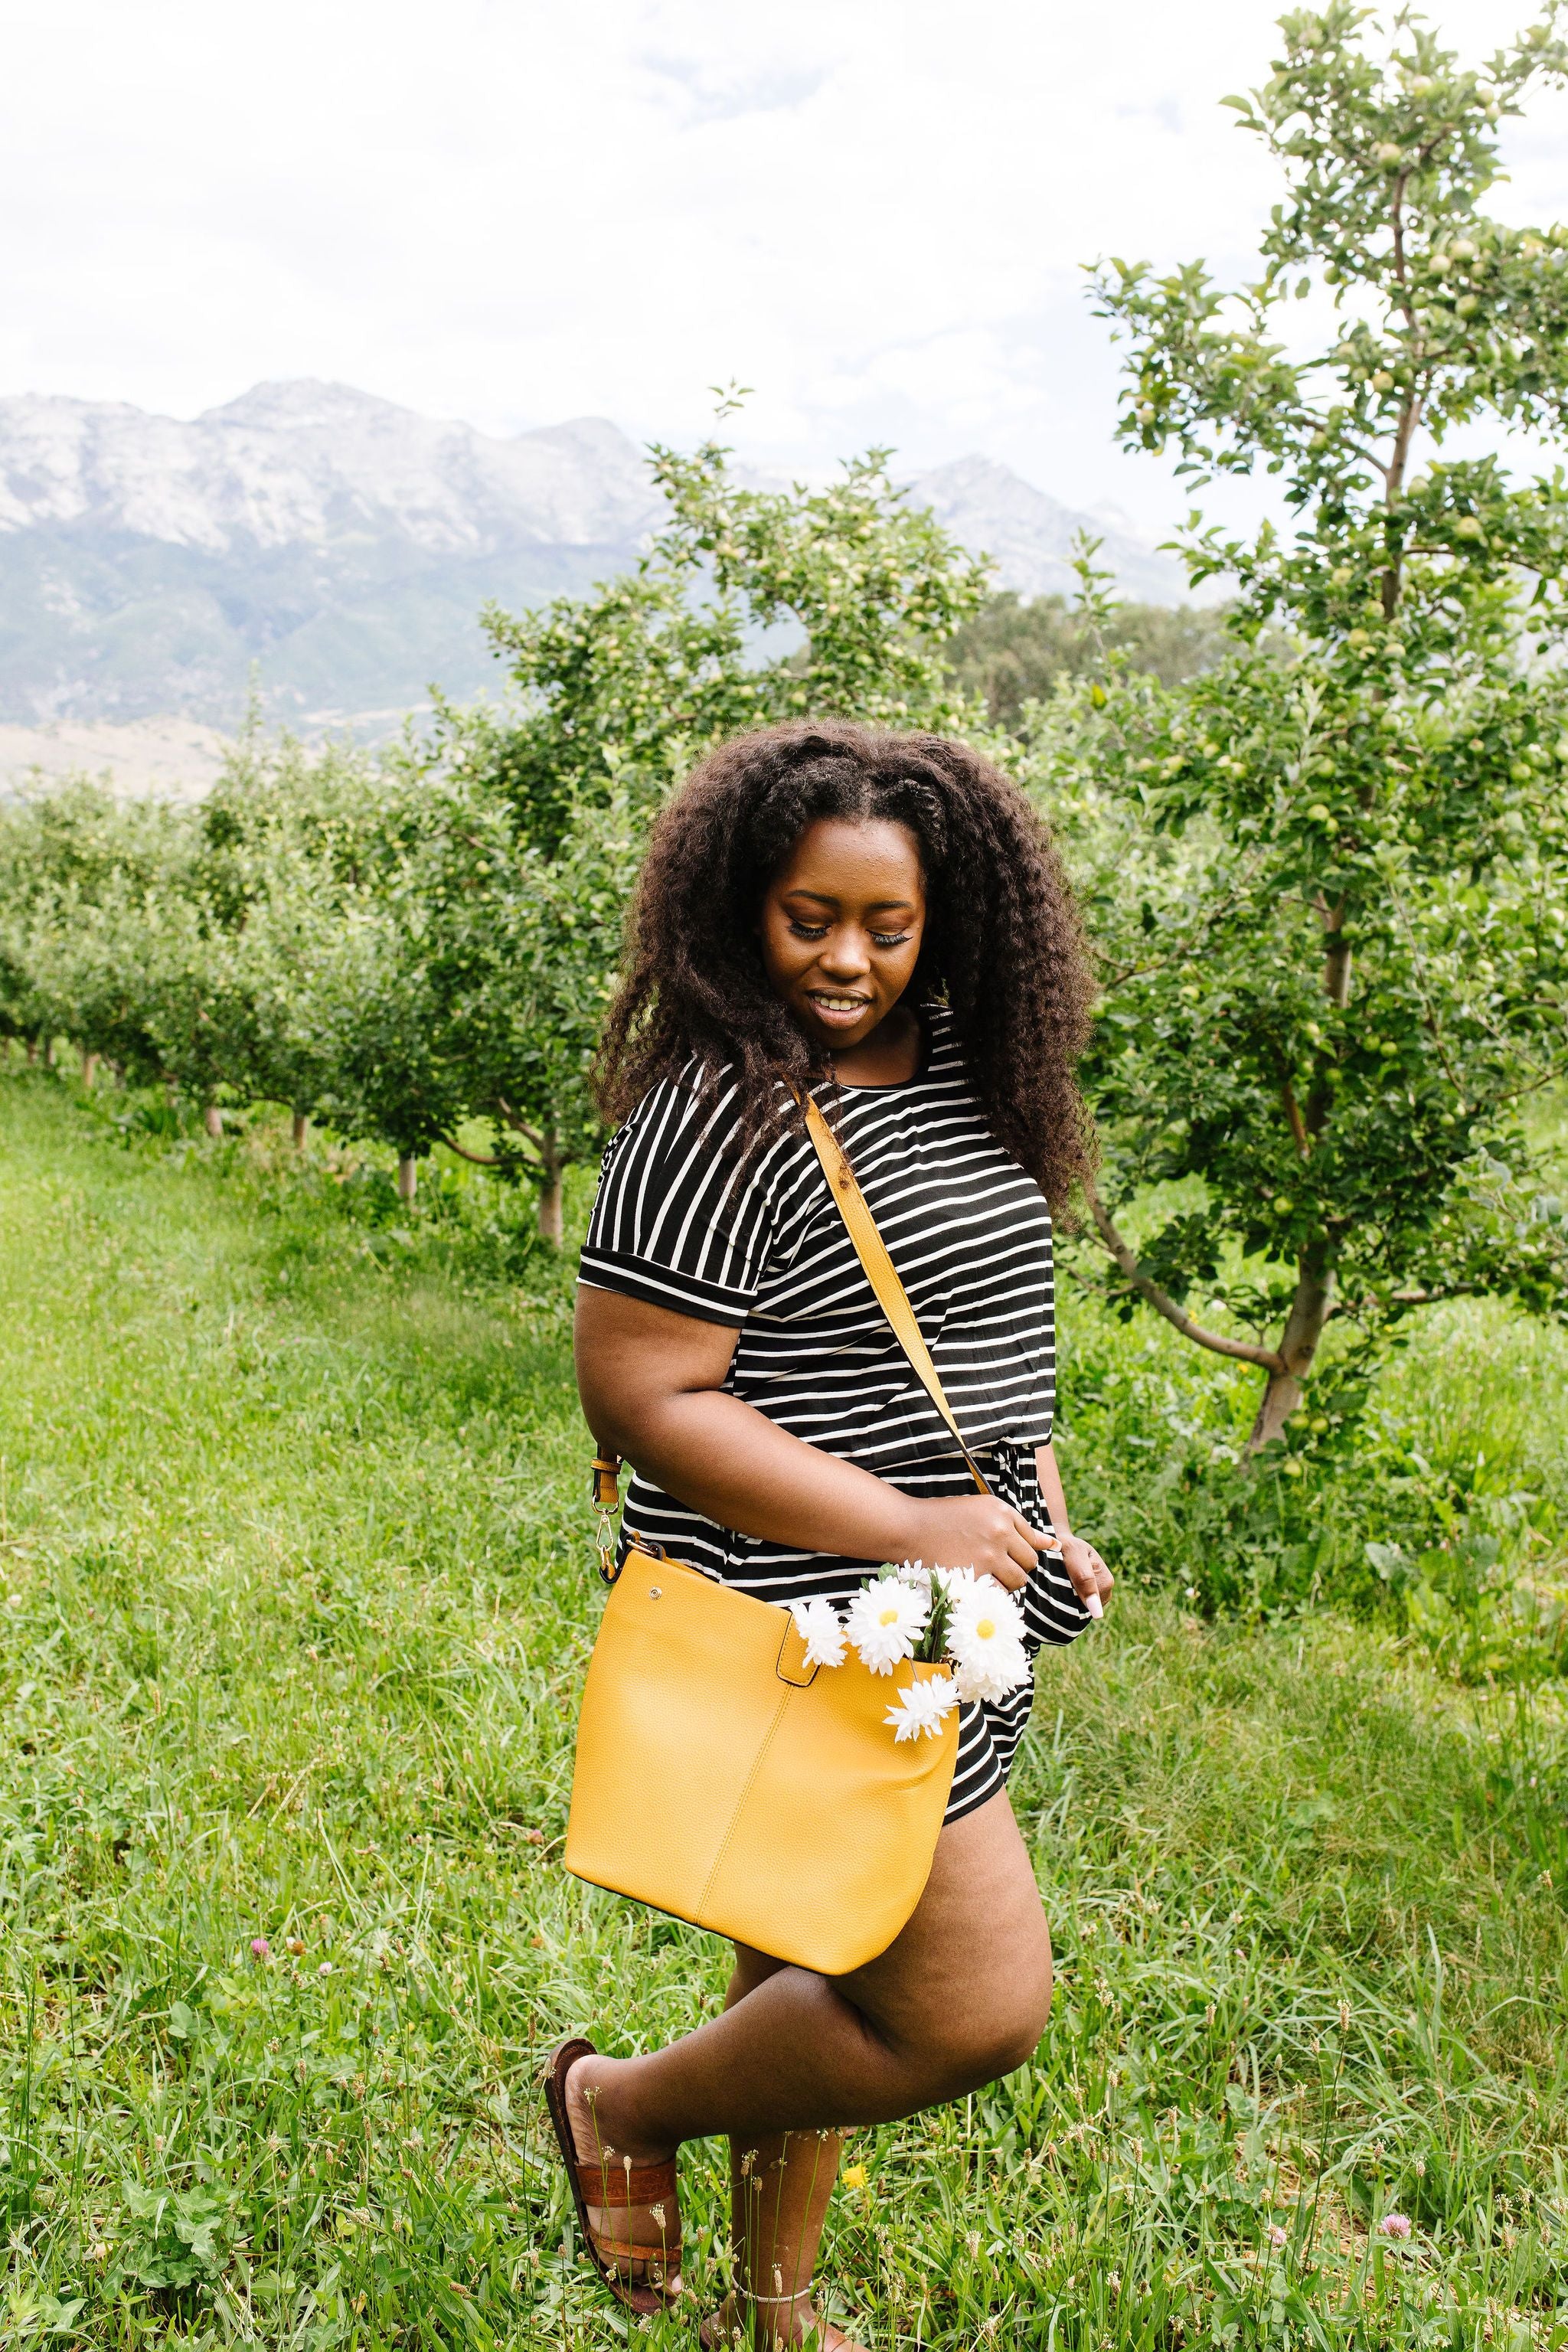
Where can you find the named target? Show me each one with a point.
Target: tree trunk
(551, 1227)
(49, 1053)
(301, 1122)
(32, 1053)
(407, 1177)
(1298, 1346)
(88, 1070)
(1337, 958)
(212, 1119)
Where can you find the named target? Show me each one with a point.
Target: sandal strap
(664, 2247)
(626, 2246)
(609, 2248)
(614, 2185)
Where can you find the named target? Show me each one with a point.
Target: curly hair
(1002, 946)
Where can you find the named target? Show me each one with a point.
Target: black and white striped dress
(763, 1247)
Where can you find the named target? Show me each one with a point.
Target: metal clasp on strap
(607, 1493)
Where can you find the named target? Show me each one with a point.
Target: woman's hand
(974, 1531)
(1091, 1579)
(979, 1532)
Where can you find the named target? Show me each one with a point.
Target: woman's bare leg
(780, 2187)
(960, 1997)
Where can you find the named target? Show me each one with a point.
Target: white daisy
(821, 1628)
(986, 1641)
(980, 1600)
(924, 1708)
(992, 1671)
(961, 1583)
(885, 1621)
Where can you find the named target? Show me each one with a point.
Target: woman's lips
(839, 1011)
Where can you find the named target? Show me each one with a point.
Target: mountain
(340, 543)
(341, 546)
(1030, 536)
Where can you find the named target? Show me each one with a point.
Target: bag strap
(891, 1296)
(881, 1273)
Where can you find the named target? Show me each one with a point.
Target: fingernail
(1091, 1603)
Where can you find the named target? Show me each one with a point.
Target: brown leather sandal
(616, 2185)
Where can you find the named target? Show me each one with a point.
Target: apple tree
(84, 883)
(752, 606)
(1329, 875)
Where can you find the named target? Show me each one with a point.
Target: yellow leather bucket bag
(722, 1778)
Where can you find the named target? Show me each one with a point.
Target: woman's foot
(640, 2243)
(624, 2200)
(742, 2325)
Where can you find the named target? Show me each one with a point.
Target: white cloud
(873, 211)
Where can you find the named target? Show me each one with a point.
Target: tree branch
(1337, 954)
(1396, 221)
(520, 1125)
(474, 1158)
(1109, 979)
(1187, 946)
(1293, 1113)
(1245, 1350)
(1547, 1076)
(1361, 1307)
(1368, 458)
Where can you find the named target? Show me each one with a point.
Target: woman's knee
(996, 2036)
(959, 2008)
(1010, 2001)
(987, 2032)
(1018, 2034)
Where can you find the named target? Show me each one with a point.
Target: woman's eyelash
(819, 931)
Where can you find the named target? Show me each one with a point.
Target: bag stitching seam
(757, 1763)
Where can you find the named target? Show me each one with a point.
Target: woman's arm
(1089, 1575)
(651, 1384)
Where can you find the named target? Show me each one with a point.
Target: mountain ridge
(338, 546)
(287, 462)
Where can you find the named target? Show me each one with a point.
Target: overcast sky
(516, 211)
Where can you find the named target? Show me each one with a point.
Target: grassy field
(294, 1593)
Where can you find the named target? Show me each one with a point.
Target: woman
(880, 919)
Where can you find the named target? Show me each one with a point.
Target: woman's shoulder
(682, 1189)
(678, 1110)
(692, 1119)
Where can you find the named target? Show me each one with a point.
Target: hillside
(340, 547)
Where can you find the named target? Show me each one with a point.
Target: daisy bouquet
(943, 1616)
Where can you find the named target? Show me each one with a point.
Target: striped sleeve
(676, 1220)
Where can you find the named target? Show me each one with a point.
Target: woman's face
(841, 926)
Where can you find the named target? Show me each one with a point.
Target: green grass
(295, 1601)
